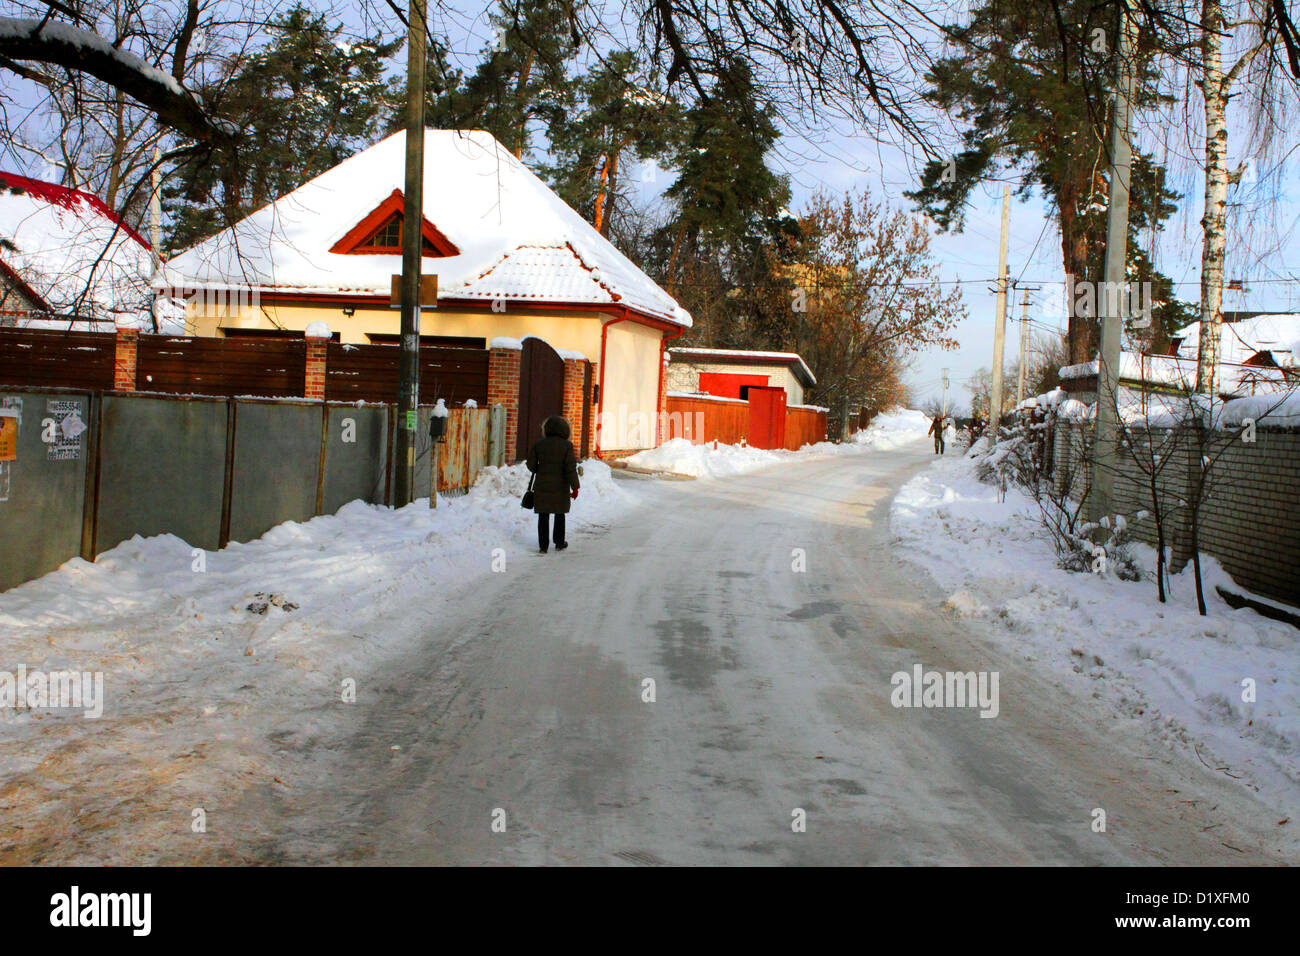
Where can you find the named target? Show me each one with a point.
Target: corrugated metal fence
(90, 469)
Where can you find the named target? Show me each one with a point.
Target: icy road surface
(772, 694)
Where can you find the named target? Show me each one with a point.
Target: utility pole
(1000, 322)
(1111, 303)
(944, 407)
(1024, 344)
(408, 395)
(155, 233)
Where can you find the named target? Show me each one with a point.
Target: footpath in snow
(1163, 663)
(678, 456)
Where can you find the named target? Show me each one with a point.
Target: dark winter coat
(554, 463)
(936, 428)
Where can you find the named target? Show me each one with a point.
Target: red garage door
(728, 384)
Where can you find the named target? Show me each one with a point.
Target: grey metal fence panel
(42, 491)
(162, 469)
(276, 464)
(355, 454)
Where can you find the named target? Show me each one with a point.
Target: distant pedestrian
(936, 429)
(555, 468)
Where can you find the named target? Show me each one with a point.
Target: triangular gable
(360, 239)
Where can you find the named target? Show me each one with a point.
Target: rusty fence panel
(464, 451)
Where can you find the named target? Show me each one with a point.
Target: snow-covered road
(524, 707)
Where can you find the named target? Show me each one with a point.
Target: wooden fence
(706, 418)
(195, 365)
(804, 425)
(701, 419)
(39, 358)
(369, 373)
(263, 367)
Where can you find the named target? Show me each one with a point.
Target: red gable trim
(67, 198)
(17, 282)
(351, 243)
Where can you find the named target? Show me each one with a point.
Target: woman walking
(555, 480)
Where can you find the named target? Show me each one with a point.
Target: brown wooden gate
(541, 392)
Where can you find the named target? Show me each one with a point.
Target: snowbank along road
(770, 614)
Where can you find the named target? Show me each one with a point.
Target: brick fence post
(317, 349)
(503, 389)
(575, 375)
(124, 359)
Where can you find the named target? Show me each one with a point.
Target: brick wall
(575, 401)
(316, 352)
(124, 362)
(503, 389)
(1248, 520)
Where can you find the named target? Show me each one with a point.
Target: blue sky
(839, 159)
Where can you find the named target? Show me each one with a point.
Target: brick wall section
(1248, 521)
(124, 361)
(316, 352)
(575, 371)
(503, 389)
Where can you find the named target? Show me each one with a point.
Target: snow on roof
(771, 358)
(516, 238)
(1278, 333)
(73, 252)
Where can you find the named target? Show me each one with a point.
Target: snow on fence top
(512, 237)
(1147, 410)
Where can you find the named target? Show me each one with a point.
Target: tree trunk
(1213, 224)
(1081, 336)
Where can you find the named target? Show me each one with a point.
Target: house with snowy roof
(729, 373)
(1259, 354)
(1260, 339)
(68, 261)
(514, 265)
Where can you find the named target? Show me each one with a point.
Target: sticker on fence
(66, 445)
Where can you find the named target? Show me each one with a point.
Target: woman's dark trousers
(542, 528)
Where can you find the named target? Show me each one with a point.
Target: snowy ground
(887, 430)
(198, 683)
(1180, 672)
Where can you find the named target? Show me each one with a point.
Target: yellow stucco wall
(580, 333)
(630, 402)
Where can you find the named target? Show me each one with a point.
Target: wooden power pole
(1000, 322)
(408, 394)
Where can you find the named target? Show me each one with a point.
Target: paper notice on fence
(67, 440)
(8, 434)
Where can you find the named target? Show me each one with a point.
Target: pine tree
(308, 100)
(1030, 102)
(616, 118)
(524, 77)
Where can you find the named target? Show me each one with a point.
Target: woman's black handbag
(527, 501)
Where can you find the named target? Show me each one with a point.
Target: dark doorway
(541, 392)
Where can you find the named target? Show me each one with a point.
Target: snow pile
(898, 426)
(678, 456)
(1163, 664)
(213, 660)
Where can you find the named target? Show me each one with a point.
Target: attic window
(388, 240)
(380, 233)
